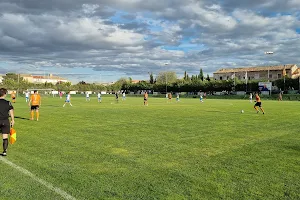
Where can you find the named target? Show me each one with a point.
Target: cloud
(134, 37)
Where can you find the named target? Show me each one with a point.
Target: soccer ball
(242, 111)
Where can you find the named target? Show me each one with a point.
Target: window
(221, 77)
(279, 75)
(270, 76)
(227, 77)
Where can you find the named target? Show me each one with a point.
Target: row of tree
(164, 81)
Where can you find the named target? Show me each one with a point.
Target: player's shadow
(54, 106)
(22, 118)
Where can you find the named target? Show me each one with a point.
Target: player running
(258, 104)
(35, 103)
(68, 99)
(201, 98)
(99, 97)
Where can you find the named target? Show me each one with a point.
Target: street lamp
(166, 64)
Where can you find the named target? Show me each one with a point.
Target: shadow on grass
(22, 118)
(294, 147)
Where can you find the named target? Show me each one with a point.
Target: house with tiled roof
(270, 73)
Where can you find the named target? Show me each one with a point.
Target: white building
(43, 79)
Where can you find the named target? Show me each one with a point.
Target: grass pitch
(184, 150)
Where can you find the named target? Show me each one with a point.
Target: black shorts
(35, 107)
(14, 98)
(5, 126)
(145, 99)
(258, 104)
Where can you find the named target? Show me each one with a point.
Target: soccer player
(68, 99)
(170, 97)
(258, 104)
(87, 96)
(117, 96)
(124, 96)
(27, 96)
(6, 109)
(204, 95)
(177, 97)
(280, 96)
(250, 97)
(13, 96)
(201, 98)
(35, 103)
(99, 97)
(146, 99)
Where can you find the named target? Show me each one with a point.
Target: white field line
(37, 179)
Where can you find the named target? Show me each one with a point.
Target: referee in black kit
(6, 109)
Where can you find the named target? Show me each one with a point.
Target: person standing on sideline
(99, 97)
(250, 97)
(27, 96)
(35, 103)
(258, 104)
(68, 99)
(204, 95)
(146, 99)
(6, 110)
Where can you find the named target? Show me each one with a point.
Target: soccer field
(184, 150)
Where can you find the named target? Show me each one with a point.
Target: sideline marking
(37, 179)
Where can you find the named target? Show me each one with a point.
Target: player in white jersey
(99, 97)
(27, 96)
(177, 97)
(87, 96)
(123, 96)
(201, 98)
(68, 99)
(250, 97)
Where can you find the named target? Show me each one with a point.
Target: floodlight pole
(166, 79)
(270, 53)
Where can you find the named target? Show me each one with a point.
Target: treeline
(164, 80)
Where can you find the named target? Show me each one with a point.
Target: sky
(105, 40)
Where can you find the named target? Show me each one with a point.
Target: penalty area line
(37, 179)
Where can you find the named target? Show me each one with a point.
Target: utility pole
(166, 80)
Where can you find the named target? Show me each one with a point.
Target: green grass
(184, 150)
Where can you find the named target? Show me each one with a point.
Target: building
(1, 78)
(269, 73)
(43, 79)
